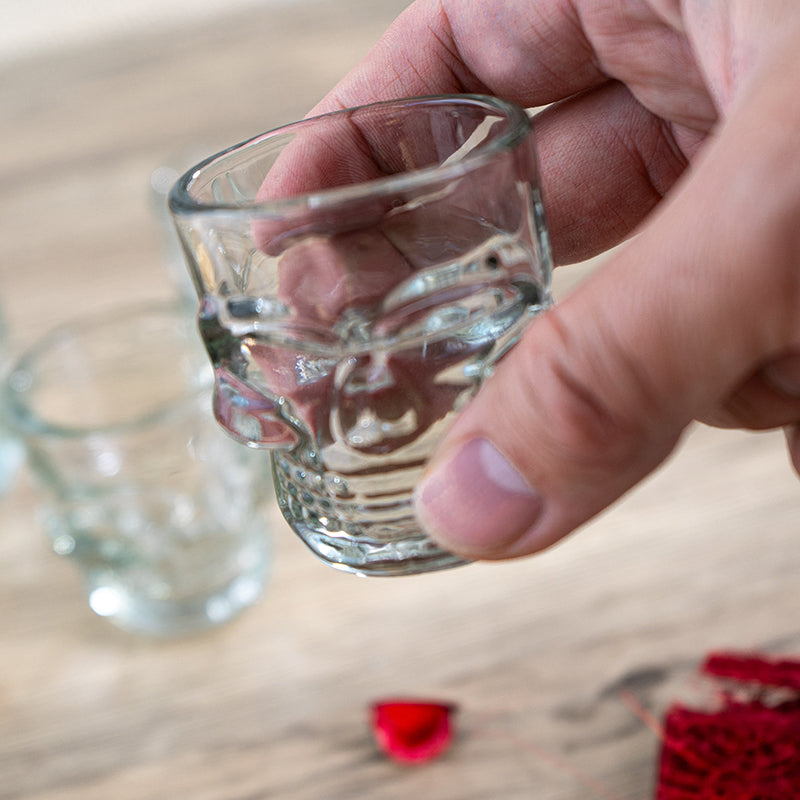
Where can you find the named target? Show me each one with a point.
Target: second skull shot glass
(360, 273)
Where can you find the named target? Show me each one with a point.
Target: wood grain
(536, 653)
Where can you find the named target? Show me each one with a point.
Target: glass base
(371, 558)
(364, 537)
(172, 618)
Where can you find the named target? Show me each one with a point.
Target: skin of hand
(672, 125)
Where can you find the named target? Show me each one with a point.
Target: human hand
(695, 317)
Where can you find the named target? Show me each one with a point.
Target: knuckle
(599, 409)
(587, 430)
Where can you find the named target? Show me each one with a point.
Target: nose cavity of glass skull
(250, 416)
(376, 407)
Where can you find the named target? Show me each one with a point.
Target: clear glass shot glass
(360, 274)
(163, 514)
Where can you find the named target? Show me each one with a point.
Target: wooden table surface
(538, 654)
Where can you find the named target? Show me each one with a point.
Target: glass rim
(29, 422)
(181, 202)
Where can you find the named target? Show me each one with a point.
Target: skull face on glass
(360, 274)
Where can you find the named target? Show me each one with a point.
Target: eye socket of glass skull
(249, 416)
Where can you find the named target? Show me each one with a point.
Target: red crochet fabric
(749, 748)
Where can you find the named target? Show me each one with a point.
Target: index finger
(606, 159)
(526, 52)
(531, 53)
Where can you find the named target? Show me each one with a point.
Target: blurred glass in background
(164, 516)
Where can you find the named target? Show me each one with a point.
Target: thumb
(569, 421)
(599, 390)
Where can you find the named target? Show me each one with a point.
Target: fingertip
(475, 502)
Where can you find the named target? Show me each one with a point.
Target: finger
(606, 159)
(606, 162)
(359, 145)
(768, 399)
(321, 278)
(599, 390)
(529, 53)
(355, 147)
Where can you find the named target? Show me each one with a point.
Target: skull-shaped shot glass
(359, 275)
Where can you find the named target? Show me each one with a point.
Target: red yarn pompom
(412, 731)
(749, 749)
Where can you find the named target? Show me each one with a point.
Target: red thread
(748, 749)
(412, 731)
